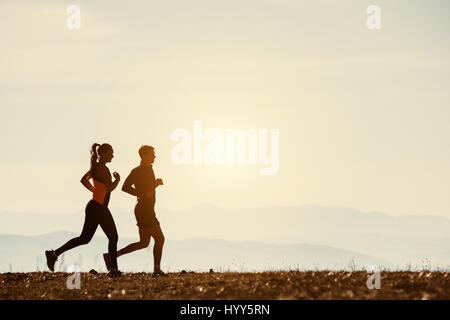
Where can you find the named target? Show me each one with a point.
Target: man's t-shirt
(143, 179)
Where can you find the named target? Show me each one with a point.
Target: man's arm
(128, 185)
(151, 192)
(158, 182)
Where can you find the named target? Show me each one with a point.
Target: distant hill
(26, 254)
(401, 240)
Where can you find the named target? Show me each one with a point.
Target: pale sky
(363, 115)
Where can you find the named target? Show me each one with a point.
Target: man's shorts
(145, 213)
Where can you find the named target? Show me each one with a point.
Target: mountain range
(397, 241)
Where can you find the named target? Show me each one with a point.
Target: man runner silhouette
(141, 183)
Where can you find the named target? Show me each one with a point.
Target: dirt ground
(224, 286)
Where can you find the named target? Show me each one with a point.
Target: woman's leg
(89, 228)
(144, 241)
(109, 227)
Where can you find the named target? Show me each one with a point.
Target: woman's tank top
(100, 192)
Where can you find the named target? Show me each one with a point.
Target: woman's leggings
(96, 214)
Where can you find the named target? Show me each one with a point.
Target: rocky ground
(212, 286)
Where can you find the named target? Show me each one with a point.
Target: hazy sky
(363, 115)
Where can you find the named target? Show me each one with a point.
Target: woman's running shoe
(51, 259)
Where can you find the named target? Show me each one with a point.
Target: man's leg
(144, 235)
(158, 235)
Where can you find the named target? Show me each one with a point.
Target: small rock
(93, 271)
(349, 294)
(211, 271)
(182, 272)
(425, 296)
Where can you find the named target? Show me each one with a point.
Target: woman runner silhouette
(97, 212)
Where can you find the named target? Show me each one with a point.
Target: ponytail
(94, 157)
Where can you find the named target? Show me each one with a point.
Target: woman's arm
(115, 182)
(104, 176)
(85, 181)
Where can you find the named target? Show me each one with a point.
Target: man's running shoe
(107, 261)
(159, 273)
(114, 273)
(51, 259)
